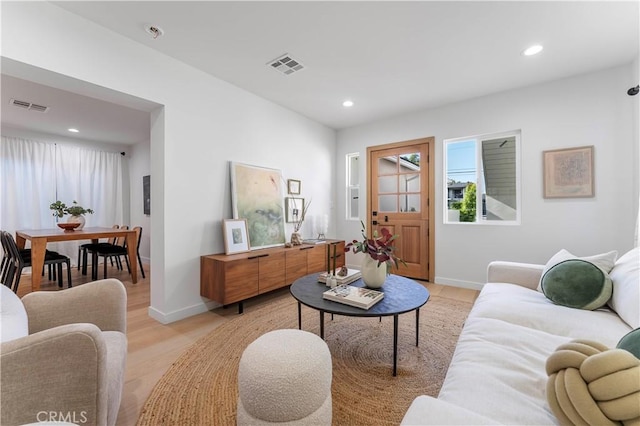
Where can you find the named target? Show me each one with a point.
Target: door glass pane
(410, 162)
(388, 165)
(388, 203)
(410, 203)
(410, 183)
(387, 184)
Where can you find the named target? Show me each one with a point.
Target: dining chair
(18, 260)
(117, 250)
(83, 248)
(7, 267)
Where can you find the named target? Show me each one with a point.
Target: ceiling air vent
(28, 105)
(286, 64)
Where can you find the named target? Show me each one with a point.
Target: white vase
(372, 275)
(77, 219)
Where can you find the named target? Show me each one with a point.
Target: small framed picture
(236, 236)
(293, 209)
(568, 173)
(293, 186)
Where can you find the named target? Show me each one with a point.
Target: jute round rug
(200, 388)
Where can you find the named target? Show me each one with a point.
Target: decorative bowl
(69, 226)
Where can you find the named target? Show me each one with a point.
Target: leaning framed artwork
(236, 238)
(257, 196)
(568, 173)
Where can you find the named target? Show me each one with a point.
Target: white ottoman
(284, 377)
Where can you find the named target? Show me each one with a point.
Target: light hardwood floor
(153, 347)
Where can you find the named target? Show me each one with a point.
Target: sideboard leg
(240, 307)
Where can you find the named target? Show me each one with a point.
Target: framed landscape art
(568, 173)
(257, 196)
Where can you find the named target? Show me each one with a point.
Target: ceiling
(390, 58)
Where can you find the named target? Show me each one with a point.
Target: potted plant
(76, 211)
(378, 250)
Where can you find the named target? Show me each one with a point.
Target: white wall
(139, 166)
(203, 124)
(590, 109)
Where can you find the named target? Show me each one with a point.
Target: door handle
(375, 222)
(386, 218)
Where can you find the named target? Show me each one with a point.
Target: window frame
(480, 185)
(350, 186)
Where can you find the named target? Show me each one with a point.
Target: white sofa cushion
(13, 316)
(604, 261)
(626, 287)
(528, 308)
(426, 410)
(501, 377)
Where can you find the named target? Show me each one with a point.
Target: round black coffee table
(401, 295)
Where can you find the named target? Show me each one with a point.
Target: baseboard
(459, 283)
(447, 281)
(166, 318)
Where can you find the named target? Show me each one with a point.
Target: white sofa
(497, 373)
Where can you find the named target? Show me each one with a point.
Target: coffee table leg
(299, 316)
(395, 344)
(417, 325)
(322, 325)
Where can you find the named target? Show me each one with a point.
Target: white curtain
(35, 174)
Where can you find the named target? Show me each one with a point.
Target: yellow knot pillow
(590, 384)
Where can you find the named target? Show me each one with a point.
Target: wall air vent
(286, 64)
(28, 105)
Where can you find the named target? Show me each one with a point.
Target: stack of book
(352, 275)
(359, 297)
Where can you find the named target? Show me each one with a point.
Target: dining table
(40, 237)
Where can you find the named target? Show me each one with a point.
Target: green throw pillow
(576, 283)
(631, 342)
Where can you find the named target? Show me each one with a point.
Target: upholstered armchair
(63, 354)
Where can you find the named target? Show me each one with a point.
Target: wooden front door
(400, 198)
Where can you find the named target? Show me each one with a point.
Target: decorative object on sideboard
(257, 196)
(568, 173)
(379, 250)
(75, 211)
(297, 213)
(236, 237)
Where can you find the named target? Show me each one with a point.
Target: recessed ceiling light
(533, 50)
(72, 130)
(347, 104)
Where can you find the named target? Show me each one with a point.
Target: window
(482, 179)
(353, 186)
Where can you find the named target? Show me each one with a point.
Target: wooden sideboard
(234, 278)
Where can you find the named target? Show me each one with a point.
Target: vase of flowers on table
(76, 212)
(379, 256)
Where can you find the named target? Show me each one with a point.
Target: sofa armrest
(102, 303)
(524, 274)
(426, 410)
(61, 370)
